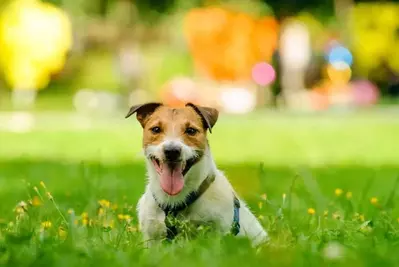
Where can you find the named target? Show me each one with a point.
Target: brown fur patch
(173, 123)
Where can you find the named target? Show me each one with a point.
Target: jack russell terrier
(183, 178)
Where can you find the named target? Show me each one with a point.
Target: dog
(182, 177)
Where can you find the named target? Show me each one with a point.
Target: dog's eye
(155, 130)
(191, 131)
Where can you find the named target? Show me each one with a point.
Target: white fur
(215, 205)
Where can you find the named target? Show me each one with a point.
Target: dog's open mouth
(172, 173)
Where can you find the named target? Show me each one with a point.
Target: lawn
(324, 186)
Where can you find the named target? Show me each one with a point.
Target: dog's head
(174, 140)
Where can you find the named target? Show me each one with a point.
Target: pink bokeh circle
(364, 92)
(263, 74)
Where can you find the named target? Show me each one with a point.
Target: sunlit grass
(325, 192)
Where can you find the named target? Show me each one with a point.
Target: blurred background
(98, 57)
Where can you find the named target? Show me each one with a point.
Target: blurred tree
(286, 8)
(54, 2)
(150, 10)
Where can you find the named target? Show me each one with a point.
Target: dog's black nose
(172, 153)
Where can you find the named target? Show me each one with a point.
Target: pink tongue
(172, 181)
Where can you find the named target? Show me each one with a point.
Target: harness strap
(171, 230)
(235, 227)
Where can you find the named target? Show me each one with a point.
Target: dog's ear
(209, 116)
(143, 111)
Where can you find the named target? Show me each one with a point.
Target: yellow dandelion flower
(104, 203)
(36, 202)
(124, 217)
(366, 229)
(311, 211)
(336, 216)
(131, 229)
(338, 192)
(62, 233)
(49, 196)
(374, 200)
(349, 195)
(263, 196)
(43, 185)
(84, 215)
(19, 210)
(101, 211)
(85, 221)
(260, 205)
(46, 225)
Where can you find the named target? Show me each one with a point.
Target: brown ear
(143, 111)
(209, 116)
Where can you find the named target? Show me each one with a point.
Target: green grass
(304, 157)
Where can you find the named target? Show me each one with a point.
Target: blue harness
(171, 230)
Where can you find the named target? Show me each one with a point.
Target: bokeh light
(34, 39)
(364, 92)
(237, 100)
(263, 74)
(339, 73)
(339, 53)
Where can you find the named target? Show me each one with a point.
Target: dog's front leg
(151, 222)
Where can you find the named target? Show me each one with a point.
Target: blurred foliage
(375, 39)
(95, 62)
(34, 40)
(318, 32)
(151, 10)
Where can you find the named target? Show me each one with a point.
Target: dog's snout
(172, 152)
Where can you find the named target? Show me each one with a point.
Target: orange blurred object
(339, 76)
(319, 100)
(225, 44)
